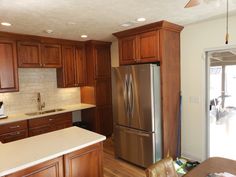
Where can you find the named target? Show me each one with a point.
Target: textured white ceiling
(97, 18)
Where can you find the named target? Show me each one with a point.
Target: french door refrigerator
(137, 114)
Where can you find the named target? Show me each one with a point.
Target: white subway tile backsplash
(32, 81)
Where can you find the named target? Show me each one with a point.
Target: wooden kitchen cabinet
(140, 48)
(127, 49)
(37, 55)
(148, 47)
(73, 71)
(103, 92)
(98, 61)
(51, 168)
(47, 124)
(105, 121)
(159, 43)
(98, 91)
(102, 61)
(8, 66)
(29, 54)
(51, 55)
(86, 162)
(80, 66)
(13, 131)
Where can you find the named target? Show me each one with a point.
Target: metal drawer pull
(13, 127)
(138, 134)
(15, 133)
(50, 119)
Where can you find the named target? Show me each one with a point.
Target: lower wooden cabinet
(13, 131)
(86, 162)
(104, 120)
(49, 123)
(52, 168)
(13, 136)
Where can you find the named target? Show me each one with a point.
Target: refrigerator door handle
(131, 96)
(137, 133)
(126, 95)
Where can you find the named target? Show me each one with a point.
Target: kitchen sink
(44, 112)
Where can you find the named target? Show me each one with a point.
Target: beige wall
(195, 39)
(114, 54)
(32, 81)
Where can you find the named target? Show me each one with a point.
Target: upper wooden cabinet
(139, 48)
(98, 61)
(102, 61)
(148, 47)
(51, 55)
(36, 55)
(127, 49)
(80, 65)
(144, 44)
(8, 66)
(73, 71)
(29, 54)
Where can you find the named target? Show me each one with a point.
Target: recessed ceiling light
(49, 31)
(6, 24)
(84, 36)
(126, 24)
(141, 19)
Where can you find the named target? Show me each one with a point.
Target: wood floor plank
(114, 167)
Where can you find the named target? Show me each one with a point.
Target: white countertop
(31, 151)
(23, 116)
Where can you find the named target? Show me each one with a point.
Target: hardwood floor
(116, 167)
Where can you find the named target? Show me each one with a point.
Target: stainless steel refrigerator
(137, 114)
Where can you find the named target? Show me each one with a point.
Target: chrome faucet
(39, 101)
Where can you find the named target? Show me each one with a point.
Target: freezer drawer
(135, 146)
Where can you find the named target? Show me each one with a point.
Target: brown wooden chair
(163, 168)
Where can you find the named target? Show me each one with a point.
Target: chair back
(163, 168)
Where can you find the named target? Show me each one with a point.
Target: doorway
(221, 117)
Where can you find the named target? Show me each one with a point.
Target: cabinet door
(29, 54)
(68, 56)
(102, 61)
(51, 56)
(104, 120)
(148, 47)
(80, 66)
(51, 168)
(86, 162)
(13, 136)
(103, 92)
(8, 66)
(127, 50)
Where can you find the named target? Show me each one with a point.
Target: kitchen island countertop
(31, 151)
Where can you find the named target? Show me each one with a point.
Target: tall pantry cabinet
(98, 89)
(158, 43)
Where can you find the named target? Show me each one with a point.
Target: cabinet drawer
(40, 130)
(13, 136)
(11, 127)
(65, 117)
(39, 122)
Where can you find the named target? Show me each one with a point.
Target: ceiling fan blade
(192, 3)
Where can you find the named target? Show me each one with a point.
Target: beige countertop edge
(68, 108)
(53, 156)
